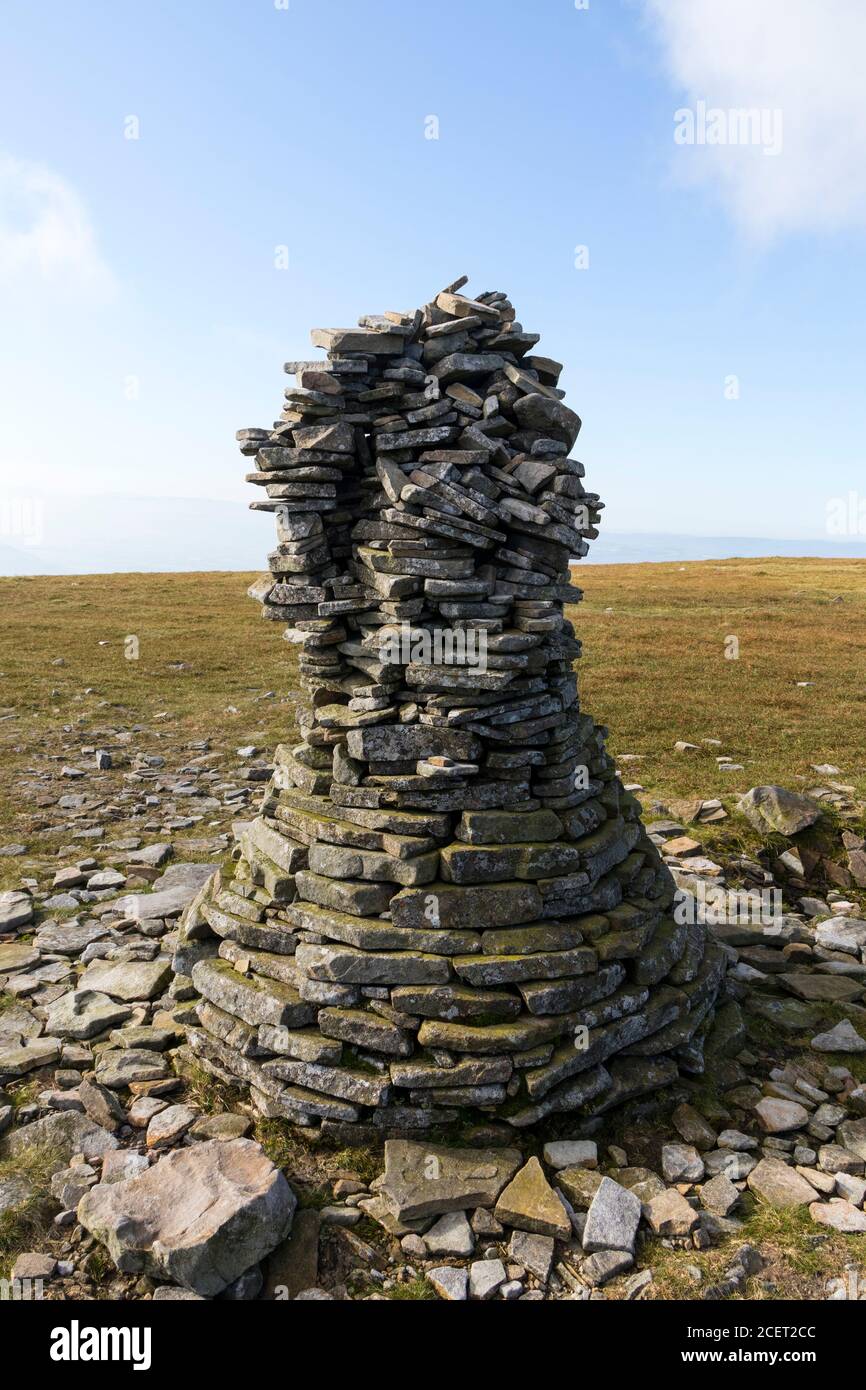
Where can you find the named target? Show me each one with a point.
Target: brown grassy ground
(654, 667)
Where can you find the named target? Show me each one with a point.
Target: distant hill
(622, 548)
(117, 534)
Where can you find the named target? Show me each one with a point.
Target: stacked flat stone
(448, 902)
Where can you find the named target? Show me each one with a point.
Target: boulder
(775, 809)
(780, 1186)
(669, 1214)
(62, 1134)
(199, 1217)
(840, 1215)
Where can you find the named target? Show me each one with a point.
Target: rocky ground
(125, 1173)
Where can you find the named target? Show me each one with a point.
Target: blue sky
(144, 318)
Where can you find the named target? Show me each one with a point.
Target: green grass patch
(29, 1220)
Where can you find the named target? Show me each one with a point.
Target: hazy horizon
(115, 534)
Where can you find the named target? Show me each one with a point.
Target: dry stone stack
(447, 903)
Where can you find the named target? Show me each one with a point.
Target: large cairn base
(447, 903)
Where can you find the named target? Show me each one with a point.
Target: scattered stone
(428, 1179)
(719, 1195)
(534, 1252)
(530, 1204)
(486, 1277)
(669, 1214)
(605, 1265)
(612, 1220)
(780, 1116)
(775, 809)
(571, 1153)
(449, 1282)
(60, 1135)
(450, 1235)
(682, 1163)
(169, 1125)
(16, 909)
(34, 1266)
(779, 1186)
(840, 1215)
(842, 1038)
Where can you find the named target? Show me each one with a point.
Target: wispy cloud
(46, 233)
(799, 58)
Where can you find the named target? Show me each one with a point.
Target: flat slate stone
(254, 1000)
(171, 893)
(613, 1217)
(427, 1179)
(85, 1013)
(16, 909)
(69, 938)
(20, 1057)
(831, 989)
(840, 1215)
(842, 1038)
(847, 934)
(117, 1070)
(780, 1186)
(127, 980)
(15, 955)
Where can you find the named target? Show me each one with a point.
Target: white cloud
(45, 231)
(803, 58)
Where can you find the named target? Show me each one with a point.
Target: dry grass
(27, 1223)
(799, 1258)
(654, 671)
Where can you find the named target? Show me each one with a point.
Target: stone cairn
(447, 903)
